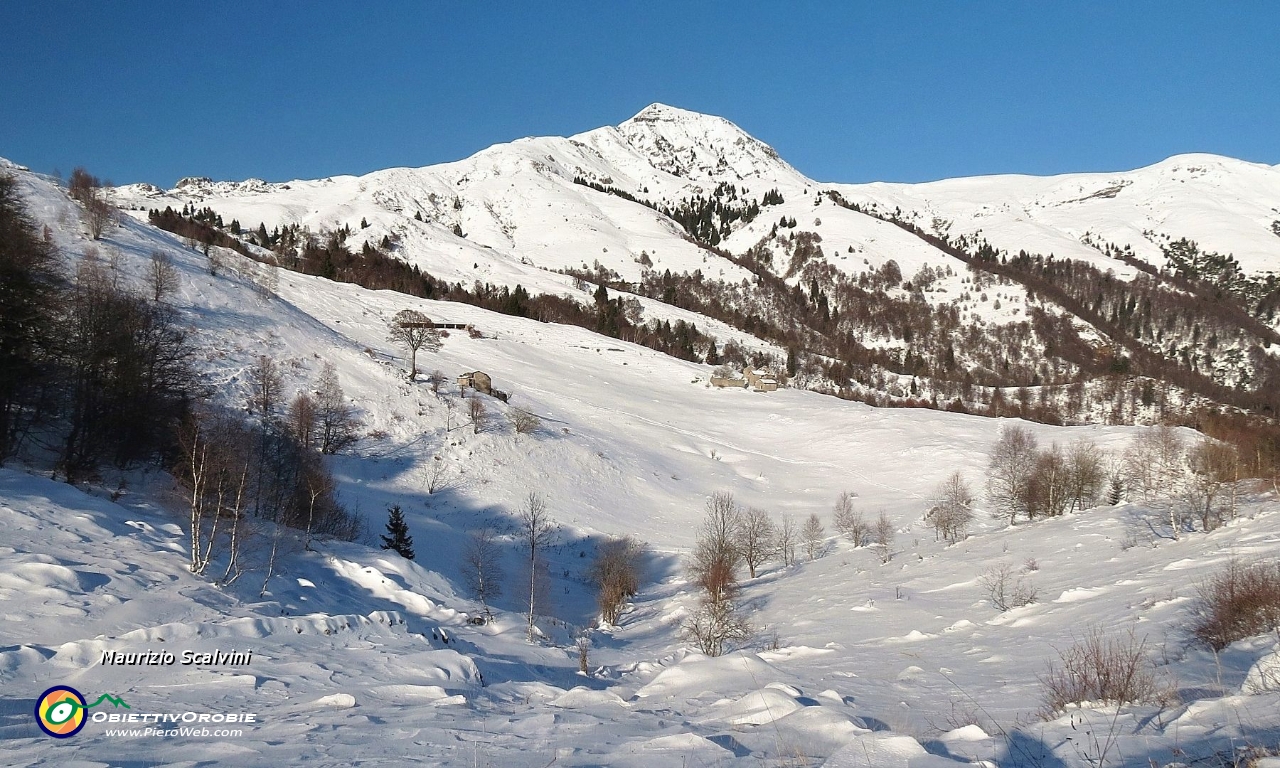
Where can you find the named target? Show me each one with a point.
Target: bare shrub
(1241, 600)
(437, 380)
(1209, 489)
(438, 476)
(715, 625)
(1006, 589)
(524, 422)
(616, 574)
(1099, 668)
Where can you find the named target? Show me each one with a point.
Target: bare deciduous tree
(477, 412)
(481, 568)
(716, 554)
(319, 486)
(162, 276)
(413, 331)
(1209, 489)
(1011, 465)
(1154, 467)
(437, 380)
(788, 536)
(265, 387)
(100, 215)
(91, 192)
(82, 184)
(1049, 486)
(952, 509)
(883, 535)
(302, 420)
(616, 574)
(216, 467)
(848, 520)
(536, 528)
(813, 535)
(756, 539)
(335, 418)
(1086, 473)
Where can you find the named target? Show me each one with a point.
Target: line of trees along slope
(96, 370)
(1164, 333)
(91, 371)
(328, 256)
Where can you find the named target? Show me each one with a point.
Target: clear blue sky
(846, 91)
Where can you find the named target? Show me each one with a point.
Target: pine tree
(1115, 494)
(399, 540)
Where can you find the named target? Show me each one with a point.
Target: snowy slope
(519, 200)
(512, 214)
(1226, 205)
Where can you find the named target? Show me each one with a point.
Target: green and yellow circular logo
(60, 711)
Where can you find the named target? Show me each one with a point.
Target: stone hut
(761, 380)
(477, 380)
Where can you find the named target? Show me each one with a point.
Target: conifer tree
(399, 540)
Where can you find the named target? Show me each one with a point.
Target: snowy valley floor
(361, 658)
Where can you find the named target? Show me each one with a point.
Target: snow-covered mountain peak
(659, 112)
(702, 147)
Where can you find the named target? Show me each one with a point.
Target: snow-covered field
(360, 657)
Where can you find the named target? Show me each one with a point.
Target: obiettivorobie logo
(60, 711)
